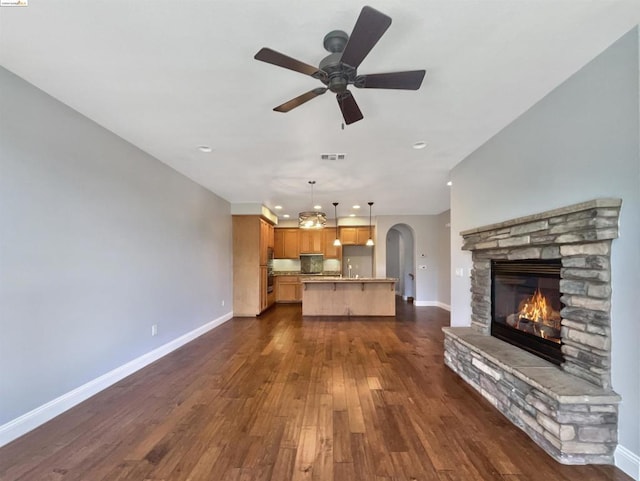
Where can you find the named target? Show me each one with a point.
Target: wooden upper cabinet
(355, 236)
(270, 237)
(311, 241)
(329, 250)
(266, 240)
(285, 245)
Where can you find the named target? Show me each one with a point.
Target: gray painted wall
(444, 269)
(98, 242)
(427, 234)
(361, 260)
(578, 143)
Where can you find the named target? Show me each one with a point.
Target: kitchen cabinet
(288, 289)
(328, 249)
(311, 241)
(263, 287)
(355, 236)
(266, 241)
(285, 245)
(251, 238)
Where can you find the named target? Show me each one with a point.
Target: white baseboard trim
(40, 415)
(441, 305)
(628, 462)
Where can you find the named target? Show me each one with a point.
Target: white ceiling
(169, 76)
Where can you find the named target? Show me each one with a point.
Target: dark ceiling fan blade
(293, 103)
(350, 110)
(409, 80)
(281, 60)
(369, 27)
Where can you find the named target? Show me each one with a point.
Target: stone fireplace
(563, 400)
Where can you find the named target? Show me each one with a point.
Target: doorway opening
(400, 259)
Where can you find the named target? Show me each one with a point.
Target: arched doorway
(400, 259)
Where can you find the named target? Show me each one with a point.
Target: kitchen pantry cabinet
(355, 236)
(288, 289)
(251, 238)
(285, 245)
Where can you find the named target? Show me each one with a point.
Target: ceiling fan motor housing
(335, 41)
(339, 75)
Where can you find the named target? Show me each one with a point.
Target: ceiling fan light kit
(340, 68)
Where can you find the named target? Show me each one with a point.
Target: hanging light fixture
(370, 239)
(312, 219)
(336, 242)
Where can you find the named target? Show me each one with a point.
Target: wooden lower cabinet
(288, 289)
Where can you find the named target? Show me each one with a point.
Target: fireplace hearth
(525, 306)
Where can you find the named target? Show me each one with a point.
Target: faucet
(349, 267)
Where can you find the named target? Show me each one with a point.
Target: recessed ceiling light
(317, 207)
(449, 183)
(277, 207)
(205, 148)
(356, 206)
(419, 145)
(286, 216)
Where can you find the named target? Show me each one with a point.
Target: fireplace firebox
(525, 305)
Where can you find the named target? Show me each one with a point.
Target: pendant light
(370, 239)
(312, 219)
(336, 242)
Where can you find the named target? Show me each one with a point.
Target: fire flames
(536, 314)
(536, 308)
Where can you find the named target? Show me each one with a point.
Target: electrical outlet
(154, 329)
(222, 303)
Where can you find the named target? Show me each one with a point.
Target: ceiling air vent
(333, 156)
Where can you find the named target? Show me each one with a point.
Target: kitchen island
(341, 296)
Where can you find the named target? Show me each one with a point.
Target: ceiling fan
(339, 69)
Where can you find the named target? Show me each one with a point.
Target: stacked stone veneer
(574, 426)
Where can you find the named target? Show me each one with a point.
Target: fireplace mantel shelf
(571, 209)
(540, 374)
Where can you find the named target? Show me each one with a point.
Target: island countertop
(333, 279)
(344, 296)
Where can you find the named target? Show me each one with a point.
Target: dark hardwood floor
(285, 398)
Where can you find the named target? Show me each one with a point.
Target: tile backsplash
(293, 265)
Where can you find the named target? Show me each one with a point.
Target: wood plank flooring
(280, 398)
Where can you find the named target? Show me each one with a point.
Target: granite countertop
(323, 279)
(298, 273)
